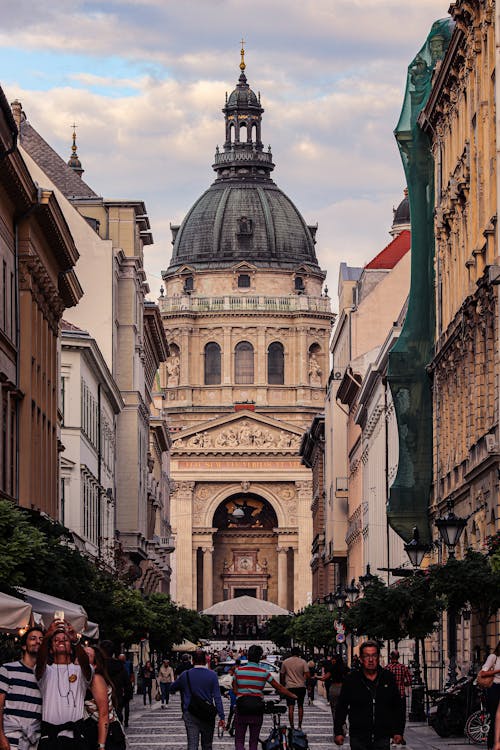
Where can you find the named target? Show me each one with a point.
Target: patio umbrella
(245, 605)
(46, 605)
(185, 646)
(14, 613)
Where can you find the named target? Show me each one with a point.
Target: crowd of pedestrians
(63, 695)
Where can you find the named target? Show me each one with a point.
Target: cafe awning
(14, 613)
(46, 605)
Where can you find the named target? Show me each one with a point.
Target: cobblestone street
(150, 727)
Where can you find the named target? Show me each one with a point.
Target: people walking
(371, 699)
(63, 685)
(129, 693)
(199, 685)
(294, 672)
(311, 681)
(491, 668)
(148, 675)
(248, 684)
(334, 671)
(165, 677)
(402, 675)
(20, 697)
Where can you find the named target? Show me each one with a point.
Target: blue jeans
(165, 692)
(196, 729)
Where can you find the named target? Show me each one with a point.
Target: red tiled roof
(67, 326)
(392, 254)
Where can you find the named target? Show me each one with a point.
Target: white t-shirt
(63, 688)
(492, 662)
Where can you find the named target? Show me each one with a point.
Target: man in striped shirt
(248, 683)
(20, 698)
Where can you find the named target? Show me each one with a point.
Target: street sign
(340, 637)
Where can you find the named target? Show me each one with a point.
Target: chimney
(17, 112)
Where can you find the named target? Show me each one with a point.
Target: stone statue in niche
(314, 370)
(173, 366)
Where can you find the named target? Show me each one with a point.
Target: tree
(471, 581)
(314, 628)
(277, 630)
(21, 548)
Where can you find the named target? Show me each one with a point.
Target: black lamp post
(367, 578)
(450, 529)
(352, 591)
(339, 598)
(416, 551)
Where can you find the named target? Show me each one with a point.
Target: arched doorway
(245, 556)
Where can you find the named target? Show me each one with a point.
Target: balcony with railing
(242, 156)
(253, 303)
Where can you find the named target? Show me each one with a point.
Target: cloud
(145, 82)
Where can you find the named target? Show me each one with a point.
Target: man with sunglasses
(371, 699)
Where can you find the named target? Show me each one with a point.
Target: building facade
(248, 328)
(464, 368)
(38, 283)
(111, 236)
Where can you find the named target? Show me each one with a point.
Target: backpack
(297, 739)
(272, 742)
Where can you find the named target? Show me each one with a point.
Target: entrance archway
(245, 555)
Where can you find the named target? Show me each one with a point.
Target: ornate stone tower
(248, 327)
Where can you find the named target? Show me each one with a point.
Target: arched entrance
(245, 555)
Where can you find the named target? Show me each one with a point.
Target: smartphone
(59, 615)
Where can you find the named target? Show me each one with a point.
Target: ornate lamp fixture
(450, 528)
(415, 549)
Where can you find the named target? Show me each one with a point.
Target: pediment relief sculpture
(245, 436)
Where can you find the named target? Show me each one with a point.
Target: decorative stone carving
(240, 437)
(315, 371)
(173, 366)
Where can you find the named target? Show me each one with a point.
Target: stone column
(182, 517)
(227, 357)
(283, 577)
(302, 357)
(208, 577)
(303, 582)
(185, 356)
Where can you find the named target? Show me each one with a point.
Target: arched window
(212, 364)
(243, 363)
(276, 364)
(243, 132)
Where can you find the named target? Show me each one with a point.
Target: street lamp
(416, 551)
(450, 529)
(367, 578)
(339, 598)
(352, 592)
(329, 600)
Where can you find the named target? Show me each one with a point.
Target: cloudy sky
(145, 82)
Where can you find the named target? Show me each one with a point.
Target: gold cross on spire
(242, 63)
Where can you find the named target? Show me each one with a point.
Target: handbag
(158, 693)
(250, 705)
(198, 706)
(485, 681)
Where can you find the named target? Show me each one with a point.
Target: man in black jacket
(118, 676)
(371, 699)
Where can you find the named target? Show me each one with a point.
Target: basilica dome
(243, 216)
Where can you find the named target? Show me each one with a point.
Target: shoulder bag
(198, 706)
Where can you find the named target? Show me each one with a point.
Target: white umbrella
(185, 646)
(245, 605)
(47, 605)
(14, 613)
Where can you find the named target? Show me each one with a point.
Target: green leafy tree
(277, 630)
(21, 548)
(314, 627)
(471, 581)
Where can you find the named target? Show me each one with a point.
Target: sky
(145, 81)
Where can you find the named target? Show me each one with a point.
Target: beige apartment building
(111, 236)
(370, 302)
(248, 326)
(459, 120)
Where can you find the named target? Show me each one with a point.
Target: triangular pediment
(244, 266)
(183, 270)
(241, 432)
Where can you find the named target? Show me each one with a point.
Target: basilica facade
(248, 324)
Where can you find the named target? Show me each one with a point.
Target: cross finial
(73, 147)
(242, 63)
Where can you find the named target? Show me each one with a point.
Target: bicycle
(278, 736)
(477, 725)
